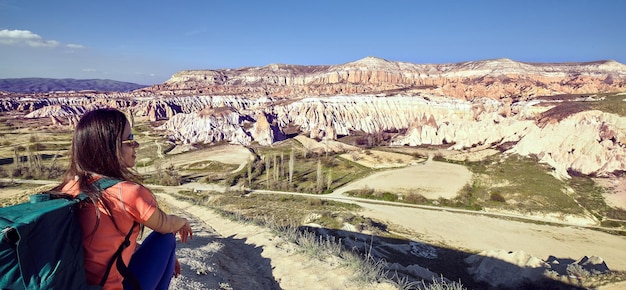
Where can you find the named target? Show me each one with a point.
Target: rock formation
(460, 105)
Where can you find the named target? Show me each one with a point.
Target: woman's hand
(164, 223)
(185, 231)
(176, 267)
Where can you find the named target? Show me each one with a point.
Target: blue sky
(146, 42)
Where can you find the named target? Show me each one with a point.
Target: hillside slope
(40, 85)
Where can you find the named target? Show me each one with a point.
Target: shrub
(370, 270)
(414, 198)
(37, 147)
(496, 196)
(167, 176)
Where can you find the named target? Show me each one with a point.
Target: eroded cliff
(498, 78)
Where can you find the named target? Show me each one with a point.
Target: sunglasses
(131, 141)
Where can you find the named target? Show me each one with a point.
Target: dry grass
(286, 217)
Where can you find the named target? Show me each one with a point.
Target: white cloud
(25, 37)
(72, 45)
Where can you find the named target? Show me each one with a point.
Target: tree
(306, 148)
(319, 175)
(329, 179)
(249, 174)
(282, 164)
(292, 157)
(276, 168)
(267, 170)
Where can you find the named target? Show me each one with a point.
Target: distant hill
(39, 85)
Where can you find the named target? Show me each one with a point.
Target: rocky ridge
(497, 78)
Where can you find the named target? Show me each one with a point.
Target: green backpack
(41, 244)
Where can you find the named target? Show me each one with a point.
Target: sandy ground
(478, 233)
(616, 196)
(227, 154)
(431, 179)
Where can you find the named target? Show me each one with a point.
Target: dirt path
(214, 261)
(228, 255)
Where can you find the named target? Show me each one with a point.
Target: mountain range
(40, 85)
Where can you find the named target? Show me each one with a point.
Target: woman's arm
(164, 223)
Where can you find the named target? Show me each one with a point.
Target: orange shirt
(128, 202)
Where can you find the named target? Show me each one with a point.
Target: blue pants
(153, 262)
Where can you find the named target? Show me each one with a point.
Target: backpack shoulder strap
(106, 182)
(101, 184)
(117, 257)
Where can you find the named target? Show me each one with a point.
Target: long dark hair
(96, 149)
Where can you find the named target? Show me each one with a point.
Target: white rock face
(590, 142)
(195, 128)
(58, 111)
(264, 132)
